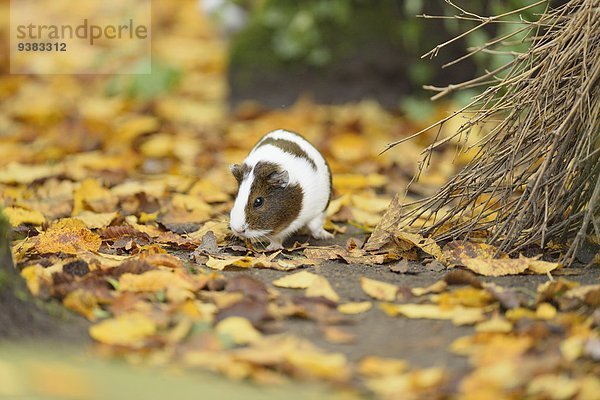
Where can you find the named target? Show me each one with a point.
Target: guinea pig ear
(238, 172)
(279, 178)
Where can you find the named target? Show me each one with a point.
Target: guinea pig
(284, 185)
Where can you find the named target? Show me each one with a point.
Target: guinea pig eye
(258, 202)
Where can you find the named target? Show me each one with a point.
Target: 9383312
(35, 46)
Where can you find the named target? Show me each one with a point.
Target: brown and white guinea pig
(284, 185)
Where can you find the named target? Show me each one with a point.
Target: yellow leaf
(545, 311)
(125, 330)
(219, 228)
(379, 290)
(373, 366)
(572, 347)
(209, 191)
(336, 205)
(338, 336)
(153, 281)
(191, 203)
(436, 287)
(22, 173)
(94, 220)
(68, 236)
(542, 267)
(455, 251)
(355, 308)
(428, 245)
(239, 329)
(83, 302)
(322, 365)
(350, 147)
(459, 315)
(91, 195)
(35, 276)
(154, 188)
(495, 324)
(552, 386)
(371, 204)
(357, 181)
(365, 218)
(315, 285)
(298, 280)
(220, 264)
(465, 296)
(17, 216)
(589, 388)
(412, 385)
(135, 126)
(495, 267)
(320, 287)
(515, 314)
(159, 145)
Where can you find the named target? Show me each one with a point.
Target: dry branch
(536, 178)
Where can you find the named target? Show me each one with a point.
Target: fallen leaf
(414, 384)
(315, 285)
(379, 290)
(457, 250)
(153, 281)
(373, 366)
(545, 311)
(220, 264)
(332, 366)
(495, 267)
(338, 336)
(36, 277)
(125, 330)
(17, 216)
(355, 308)
(94, 220)
(298, 280)
(83, 302)
(239, 329)
(428, 245)
(92, 196)
(22, 173)
(68, 236)
(436, 287)
(551, 386)
(459, 315)
(320, 286)
(373, 204)
(356, 181)
(495, 324)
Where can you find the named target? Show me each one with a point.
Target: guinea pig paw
(274, 246)
(322, 234)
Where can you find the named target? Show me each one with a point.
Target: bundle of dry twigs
(536, 178)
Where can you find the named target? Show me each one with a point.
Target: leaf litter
(130, 230)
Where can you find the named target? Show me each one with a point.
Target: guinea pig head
(266, 202)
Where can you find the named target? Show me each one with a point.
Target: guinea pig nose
(238, 228)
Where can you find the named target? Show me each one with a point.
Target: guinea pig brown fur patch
(281, 203)
(288, 147)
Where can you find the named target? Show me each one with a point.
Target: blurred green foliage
(145, 86)
(301, 32)
(325, 35)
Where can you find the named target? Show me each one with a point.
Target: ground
(118, 199)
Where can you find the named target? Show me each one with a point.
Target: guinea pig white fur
(284, 185)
